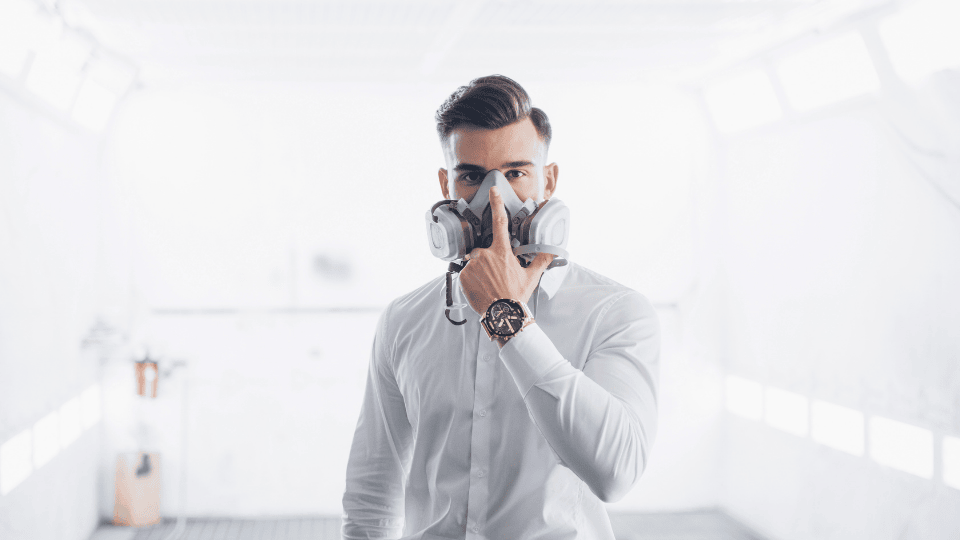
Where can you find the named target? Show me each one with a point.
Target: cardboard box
(137, 501)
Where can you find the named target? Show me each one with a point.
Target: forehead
(490, 148)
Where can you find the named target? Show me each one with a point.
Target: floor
(701, 525)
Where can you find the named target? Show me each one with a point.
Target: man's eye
(514, 174)
(471, 177)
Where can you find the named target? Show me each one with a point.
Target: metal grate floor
(700, 525)
(307, 528)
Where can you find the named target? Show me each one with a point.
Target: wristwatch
(505, 318)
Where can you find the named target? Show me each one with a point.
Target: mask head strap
(453, 268)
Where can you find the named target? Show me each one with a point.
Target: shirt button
(486, 357)
(476, 529)
(481, 474)
(483, 412)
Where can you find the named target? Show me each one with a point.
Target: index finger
(501, 226)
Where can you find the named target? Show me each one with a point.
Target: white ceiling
(666, 40)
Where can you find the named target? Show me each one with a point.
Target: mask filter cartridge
(457, 227)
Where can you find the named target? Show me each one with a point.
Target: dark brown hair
(490, 102)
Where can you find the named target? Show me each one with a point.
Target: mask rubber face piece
(455, 228)
(481, 199)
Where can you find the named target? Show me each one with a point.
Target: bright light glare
(901, 446)
(22, 22)
(12, 56)
(70, 427)
(39, 29)
(742, 102)
(94, 105)
(16, 462)
(837, 427)
(90, 406)
(46, 439)
(744, 397)
(55, 71)
(827, 72)
(951, 461)
(14, 16)
(14, 13)
(112, 74)
(786, 411)
(922, 38)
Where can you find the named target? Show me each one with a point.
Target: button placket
(478, 496)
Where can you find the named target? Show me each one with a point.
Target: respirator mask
(457, 227)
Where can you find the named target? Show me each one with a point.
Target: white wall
(841, 274)
(239, 187)
(59, 271)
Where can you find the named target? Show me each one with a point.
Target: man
(513, 437)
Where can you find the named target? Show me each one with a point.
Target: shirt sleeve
(600, 421)
(373, 503)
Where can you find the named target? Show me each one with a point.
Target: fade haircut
(490, 102)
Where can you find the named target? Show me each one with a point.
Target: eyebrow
(517, 164)
(469, 167)
(476, 168)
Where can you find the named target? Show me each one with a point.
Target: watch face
(506, 318)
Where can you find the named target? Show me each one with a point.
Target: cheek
(526, 189)
(466, 192)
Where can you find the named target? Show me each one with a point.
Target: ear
(442, 173)
(550, 174)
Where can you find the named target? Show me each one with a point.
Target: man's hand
(495, 272)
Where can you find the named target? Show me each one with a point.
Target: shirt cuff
(529, 356)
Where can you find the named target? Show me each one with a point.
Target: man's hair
(490, 102)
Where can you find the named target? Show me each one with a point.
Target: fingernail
(495, 190)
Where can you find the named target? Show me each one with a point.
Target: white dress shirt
(460, 439)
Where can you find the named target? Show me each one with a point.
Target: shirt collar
(553, 278)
